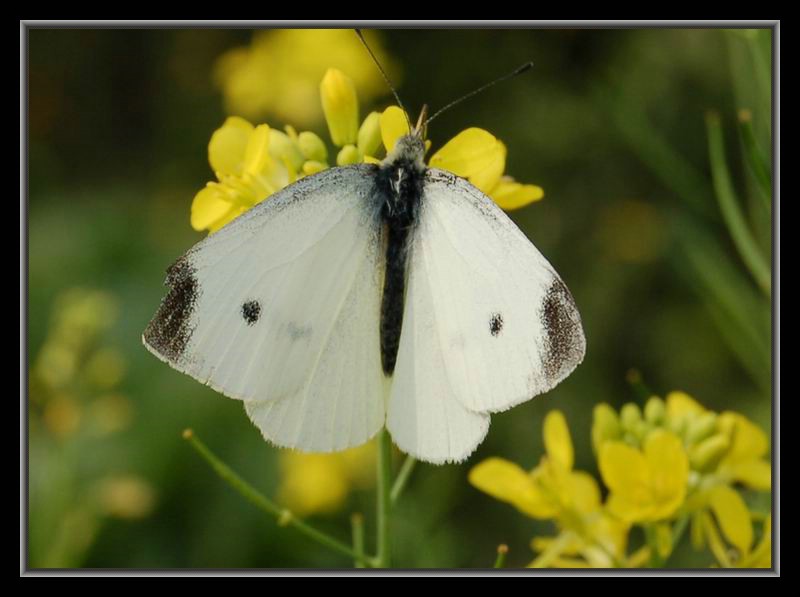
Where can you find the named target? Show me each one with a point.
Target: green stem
(357, 523)
(677, 534)
(656, 561)
(383, 559)
(729, 206)
(762, 66)
(553, 550)
(251, 494)
(502, 552)
(402, 478)
(635, 380)
(759, 165)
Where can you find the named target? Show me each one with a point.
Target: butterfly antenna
(385, 76)
(525, 67)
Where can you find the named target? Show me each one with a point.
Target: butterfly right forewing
(488, 323)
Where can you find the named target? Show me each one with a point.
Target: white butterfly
(371, 295)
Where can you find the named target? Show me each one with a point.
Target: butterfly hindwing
(280, 308)
(488, 323)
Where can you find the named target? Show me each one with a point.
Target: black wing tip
(566, 344)
(169, 331)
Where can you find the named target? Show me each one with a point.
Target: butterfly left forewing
(281, 307)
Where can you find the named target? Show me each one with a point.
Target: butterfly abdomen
(399, 187)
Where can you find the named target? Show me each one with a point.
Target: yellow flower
(553, 490)
(474, 154)
(478, 156)
(646, 485)
(125, 496)
(722, 450)
(732, 524)
(72, 361)
(681, 409)
(761, 555)
(62, 415)
(320, 483)
(105, 368)
(718, 511)
(728, 446)
(605, 426)
(369, 134)
(110, 413)
(340, 104)
(744, 460)
(278, 74)
(548, 491)
(250, 163)
(253, 162)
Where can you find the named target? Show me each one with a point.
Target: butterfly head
(410, 149)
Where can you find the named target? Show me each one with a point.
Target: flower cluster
(668, 465)
(589, 535)
(253, 162)
(76, 401)
(74, 362)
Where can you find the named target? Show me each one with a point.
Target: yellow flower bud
(677, 425)
(369, 135)
(348, 155)
(291, 132)
(641, 430)
(125, 496)
(700, 427)
(681, 404)
(312, 167)
(340, 104)
(605, 426)
(631, 439)
(394, 124)
(631, 415)
(654, 410)
(706, 455)
(312, 147)
(557, 440)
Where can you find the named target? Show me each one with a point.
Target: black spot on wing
(565, 343)
(170, 330)
(251, 311)
(496, 324)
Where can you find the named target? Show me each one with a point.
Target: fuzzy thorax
(409, 149)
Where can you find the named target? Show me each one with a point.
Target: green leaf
(729, 206)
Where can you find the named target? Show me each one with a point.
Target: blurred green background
(609, 123)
